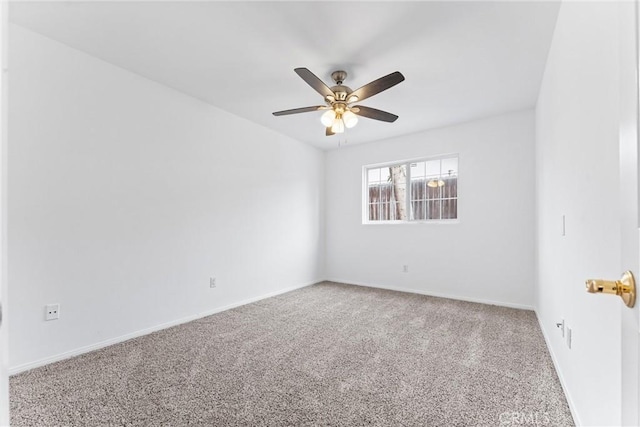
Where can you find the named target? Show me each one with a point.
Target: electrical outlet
(51, 311)
(568, 337)
(212, 282)
(405, 268)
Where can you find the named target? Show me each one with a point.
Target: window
(415, 190)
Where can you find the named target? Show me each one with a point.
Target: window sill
(429, 222)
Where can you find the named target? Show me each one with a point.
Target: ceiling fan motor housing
(341, 93)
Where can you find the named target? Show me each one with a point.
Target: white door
(4, 353)
(629, 46)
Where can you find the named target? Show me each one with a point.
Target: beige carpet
(329, 354)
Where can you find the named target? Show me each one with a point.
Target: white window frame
(365, 192)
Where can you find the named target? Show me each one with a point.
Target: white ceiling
(461, 60)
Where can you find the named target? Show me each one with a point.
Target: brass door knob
(625, 287)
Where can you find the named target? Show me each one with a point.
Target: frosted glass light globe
(338, 126)
(328, 117)
(350, 119)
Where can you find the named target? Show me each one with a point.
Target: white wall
(486, 256)
(125, 196)
(577, 176)
(4, 336)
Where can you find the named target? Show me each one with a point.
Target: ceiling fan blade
(313, 81)
(372, 113)
(377, 86)
(300, 110)
(329, 132)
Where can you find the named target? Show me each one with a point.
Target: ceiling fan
(339, 111)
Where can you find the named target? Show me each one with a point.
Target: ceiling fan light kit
(340, 114)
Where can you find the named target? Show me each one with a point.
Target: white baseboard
(86, 349)
(435, 294)
(572, 406)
